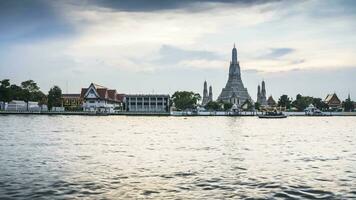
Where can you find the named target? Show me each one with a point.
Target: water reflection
(162, 157)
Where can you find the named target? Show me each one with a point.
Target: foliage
(284, 101)
(302, 102)
(320, 104)
(227, 106)
(213, 105)
(54, 97)
(257, 106)
(28, 91)
(5, 91)
(184, 100)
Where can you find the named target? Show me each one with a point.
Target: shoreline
(175, 114)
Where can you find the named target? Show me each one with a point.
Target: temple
(261, 95)
(234, 91)
(207, 97)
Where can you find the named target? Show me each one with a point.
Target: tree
(257, 106)
(213, 105)
(348, 105)
(54, 97)
(227, 106)
(29, 88)
(320, 104)
(302, 102)
(16, 92)
(184, 100)
(30, 85)
(39, 97)
(284, 101)
(5, 91)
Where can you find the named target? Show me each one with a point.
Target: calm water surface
(111, 157)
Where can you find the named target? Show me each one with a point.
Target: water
(111, 157)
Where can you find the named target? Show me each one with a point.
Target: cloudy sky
(160, 46)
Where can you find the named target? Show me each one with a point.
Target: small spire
(234, 44)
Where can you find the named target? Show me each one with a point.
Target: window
(91, 101)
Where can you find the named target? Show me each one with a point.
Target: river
(117, 157)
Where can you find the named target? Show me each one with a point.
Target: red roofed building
(100, 98)
(333, 101)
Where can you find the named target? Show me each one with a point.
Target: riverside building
(149, 103)
(71, 102)
(234, 91)
(100, 98)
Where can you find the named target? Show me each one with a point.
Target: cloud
(275, 53)
(24, 21)
(155, 5)
(171, 54)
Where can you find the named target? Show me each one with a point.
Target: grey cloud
(27, 20)
(279, 52)
(171, 54)
(154, 5)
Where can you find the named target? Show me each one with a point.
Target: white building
(100, 98)
(22, 106)
(147, 103)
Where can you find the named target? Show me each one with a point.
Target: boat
(313, 111)
(272, 114)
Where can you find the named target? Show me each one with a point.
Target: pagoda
(234, 91)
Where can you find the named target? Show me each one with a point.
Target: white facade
(147, 103)
(96, 98)
(22, 106)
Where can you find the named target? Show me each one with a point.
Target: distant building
(152, 103)
(72, 101)
(333, 101)
(271, 102)
(100, 98)
(261, 95)
(234, 91)
(207, 97)
(16, 105)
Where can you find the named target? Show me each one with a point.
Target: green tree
(39, 97)
(320, 104)
(184, 100)
(29, 88)
(16, 92)
(302, 102)
(30, 85)
(227, 106)
(348, 105)
(213, 105)
(54, 97)
(5, 91)
(257, 106)
(284, 101)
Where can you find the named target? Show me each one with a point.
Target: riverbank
(174, 113)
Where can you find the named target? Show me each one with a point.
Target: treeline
(302, 102)
(29, 91)
(184, 100)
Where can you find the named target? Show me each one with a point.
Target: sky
(303, 47)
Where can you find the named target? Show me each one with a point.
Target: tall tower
(263, 98)
(205, 94)
(234, 91)
(234, 55)
(210, 93)
(263, 92)
(258, 94)
(205, 91)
